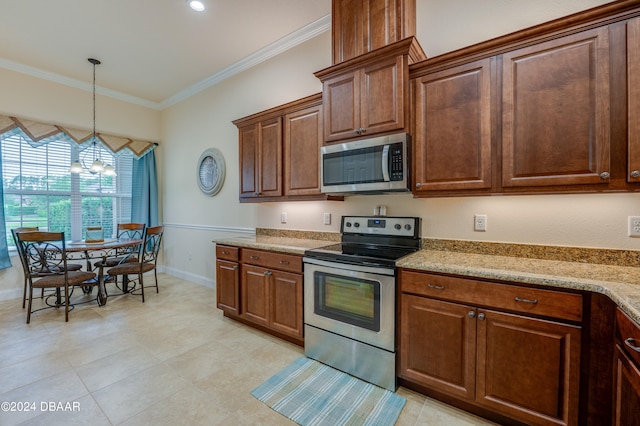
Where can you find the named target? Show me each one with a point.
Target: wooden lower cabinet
(519, 367)
(261, 288)
(626, 391)
(626, 407)
(228, 286)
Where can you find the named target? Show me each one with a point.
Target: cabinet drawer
(514, 298)
(274, 260)
(227, 252)
(628, 335)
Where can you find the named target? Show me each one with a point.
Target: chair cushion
(75, 278)
(114, 261)
(131, 268)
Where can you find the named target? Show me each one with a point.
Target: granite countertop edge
(277, 244)
(620, 284)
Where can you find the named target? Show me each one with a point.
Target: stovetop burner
(372, 241)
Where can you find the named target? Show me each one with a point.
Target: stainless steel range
(350, 296)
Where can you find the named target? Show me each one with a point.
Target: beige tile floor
(172, 360)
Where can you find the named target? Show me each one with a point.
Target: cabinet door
(626, 407)
(249, 161)
(255, 294)
(302, 142)
(633, 98)
(360, 26)
(383, 93)
(286, 303)
(270, 143)
(528, 369)
(341, 104)
(228, 286)
(556, 112)
(453, 128)
(438, 345)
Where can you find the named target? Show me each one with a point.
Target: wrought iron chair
(134, 231)
(146, 260)
(71, 266)
(45, 257)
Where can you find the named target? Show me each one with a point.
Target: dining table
(93, 250)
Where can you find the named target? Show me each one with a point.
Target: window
(40, 191)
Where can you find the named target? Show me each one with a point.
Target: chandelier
(97, 166)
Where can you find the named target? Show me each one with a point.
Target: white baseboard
(197, 279)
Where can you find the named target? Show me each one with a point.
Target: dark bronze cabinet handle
(631, 343)
(254, 257)
(436, 287)
(284, 262)
(226, 252)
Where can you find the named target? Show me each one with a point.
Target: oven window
(350, 300)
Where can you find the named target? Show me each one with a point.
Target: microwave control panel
(396, 162)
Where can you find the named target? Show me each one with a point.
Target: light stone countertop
(621, 284)
(278, 244)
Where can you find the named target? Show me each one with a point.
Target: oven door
(353, 301)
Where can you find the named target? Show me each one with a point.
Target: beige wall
(48, 102)
(596, 220)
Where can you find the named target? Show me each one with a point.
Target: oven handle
(350, 266)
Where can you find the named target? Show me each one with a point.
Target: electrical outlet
(634, 226)
(283, 217)
(480, 222)
(327, 218)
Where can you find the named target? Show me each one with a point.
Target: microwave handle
(385, 163)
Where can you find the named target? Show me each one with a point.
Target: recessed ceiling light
(197, 5)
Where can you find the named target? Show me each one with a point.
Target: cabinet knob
(362, 130)
(357, 131)
(605, 175)
(472, 314)
(268, 274)
(635, 174)
(481, 316)
(418, 185)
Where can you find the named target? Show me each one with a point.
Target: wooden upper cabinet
(280, 152)
(633, 99)
(452, 138)
(360, 26)
(261, 159)
(248, 161)
(556, 124)
(370, 94)
(302, 142)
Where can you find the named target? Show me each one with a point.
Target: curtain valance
(42, 133)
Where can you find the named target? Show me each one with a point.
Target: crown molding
(71, 82)
(285, 43)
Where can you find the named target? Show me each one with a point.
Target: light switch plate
(327, 218)
(283, 217)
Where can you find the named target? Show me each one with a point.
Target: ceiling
(153, 52)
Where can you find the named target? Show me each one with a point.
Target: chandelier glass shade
(97, 166)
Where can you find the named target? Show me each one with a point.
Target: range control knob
(357, 225)
(348, 224)
(397, 226)
(407, 227)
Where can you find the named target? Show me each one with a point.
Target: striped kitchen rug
(311, 393)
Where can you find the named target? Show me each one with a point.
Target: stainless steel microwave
(374, 165)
